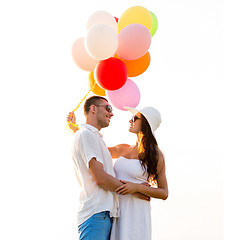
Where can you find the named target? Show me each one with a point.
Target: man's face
(103, 113)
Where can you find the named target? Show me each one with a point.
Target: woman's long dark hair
(148, 150)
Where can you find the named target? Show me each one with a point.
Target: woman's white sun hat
(152, 115)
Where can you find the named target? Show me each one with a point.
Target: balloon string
(74, 124)
(84, 97)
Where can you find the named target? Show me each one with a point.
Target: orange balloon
(137, 66)
(116, 56)
(97, 90)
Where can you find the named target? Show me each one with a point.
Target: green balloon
(154, 23)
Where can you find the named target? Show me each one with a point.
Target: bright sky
(42, 84)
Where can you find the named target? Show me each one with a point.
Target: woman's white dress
(135, 214)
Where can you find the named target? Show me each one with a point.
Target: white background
(40, 84)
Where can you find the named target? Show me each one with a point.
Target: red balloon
(111, 74)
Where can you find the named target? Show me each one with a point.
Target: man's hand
(71, 117)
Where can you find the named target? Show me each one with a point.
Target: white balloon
(81, 57)
(102, 17)
(101, 41)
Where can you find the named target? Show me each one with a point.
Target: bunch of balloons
(114, 50)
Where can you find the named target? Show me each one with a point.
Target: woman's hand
(127, 188)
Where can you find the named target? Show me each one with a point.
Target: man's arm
(103, 179)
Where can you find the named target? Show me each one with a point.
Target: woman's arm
(160, 192)
(117, 150)
(114, 151)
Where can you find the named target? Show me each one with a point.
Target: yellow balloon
(135, 14)
(97, 90)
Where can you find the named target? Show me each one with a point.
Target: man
(94, 170)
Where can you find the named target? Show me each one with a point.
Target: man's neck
(92, 123)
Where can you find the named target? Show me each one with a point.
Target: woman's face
(135, 123)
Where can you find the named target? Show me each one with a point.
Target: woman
(143, 162)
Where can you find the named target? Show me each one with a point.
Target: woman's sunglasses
(107, 107)
(135, 118)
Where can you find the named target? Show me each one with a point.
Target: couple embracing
(114, 203)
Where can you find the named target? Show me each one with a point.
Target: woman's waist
(132, 179)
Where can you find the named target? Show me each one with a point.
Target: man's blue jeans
(97, 227)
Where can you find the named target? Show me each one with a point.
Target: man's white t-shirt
(93, 199)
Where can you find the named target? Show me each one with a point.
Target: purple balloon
(126, 96)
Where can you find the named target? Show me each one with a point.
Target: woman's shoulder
(161, 159)
(122, 147)
(160, 153)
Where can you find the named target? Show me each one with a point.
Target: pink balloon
(126, 96)
(134, 41)
(81, 57)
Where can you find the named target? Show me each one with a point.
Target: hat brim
(132, 110)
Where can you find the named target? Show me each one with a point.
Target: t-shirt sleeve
(90, 147)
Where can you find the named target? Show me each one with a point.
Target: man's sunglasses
(107, 107)
(135, 118)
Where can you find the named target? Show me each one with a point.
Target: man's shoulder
(85, 132)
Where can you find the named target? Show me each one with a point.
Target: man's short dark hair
(94, 100)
